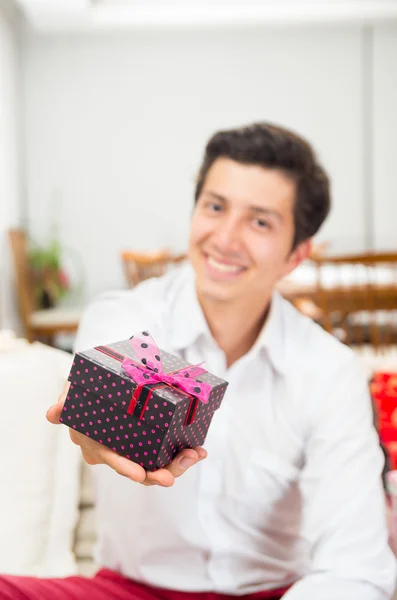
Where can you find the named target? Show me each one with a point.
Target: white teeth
(222, 267)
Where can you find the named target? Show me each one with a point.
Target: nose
(227, 236)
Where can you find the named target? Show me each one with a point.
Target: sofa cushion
(39, 478)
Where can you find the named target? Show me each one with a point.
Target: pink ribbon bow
(148, 369)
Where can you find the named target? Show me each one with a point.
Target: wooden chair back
(140, 266)
(19, 251)
(357, 296)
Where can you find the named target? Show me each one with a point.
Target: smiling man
(242, 242)
(289, 501)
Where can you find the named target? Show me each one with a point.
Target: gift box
(142, 402)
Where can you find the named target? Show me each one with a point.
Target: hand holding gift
(141, 410)
(95, 453)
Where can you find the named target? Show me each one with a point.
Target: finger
(176, 468)
(79, 439)
(105, 455)
(88, 450)
(161, 477)
(90, 457)
(183, 461)
(202, 453)
(123, 466)
(54, 412)
(166, 476)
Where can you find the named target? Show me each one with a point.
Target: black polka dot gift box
(144, 403)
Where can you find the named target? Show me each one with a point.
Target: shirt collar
(271, 339)
(187, 324)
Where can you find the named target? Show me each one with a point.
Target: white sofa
(46, 505)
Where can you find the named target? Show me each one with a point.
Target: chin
(214, 290)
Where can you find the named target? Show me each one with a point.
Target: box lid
(99, 370)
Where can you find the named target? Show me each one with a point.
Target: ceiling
(108, 15)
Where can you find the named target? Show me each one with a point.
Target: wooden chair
(303, 302)
(38, 324)
(357, 297)
(141, 266)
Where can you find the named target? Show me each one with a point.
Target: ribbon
(148, 369)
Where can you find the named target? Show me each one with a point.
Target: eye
(214, 206)
(262, 224)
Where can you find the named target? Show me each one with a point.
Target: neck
(235, 326)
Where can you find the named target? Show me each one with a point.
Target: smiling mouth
(222, 268)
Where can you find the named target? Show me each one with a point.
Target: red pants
(105, 585)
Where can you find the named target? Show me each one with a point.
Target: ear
(297, 256)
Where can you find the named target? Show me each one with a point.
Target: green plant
(50, 280)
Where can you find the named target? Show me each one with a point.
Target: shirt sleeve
(344, 514)
(115, 316)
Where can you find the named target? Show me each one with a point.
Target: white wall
(9, 157)
(117, 125)
(385, 137)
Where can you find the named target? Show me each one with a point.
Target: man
(289, 501)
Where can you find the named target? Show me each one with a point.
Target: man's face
(242, 231)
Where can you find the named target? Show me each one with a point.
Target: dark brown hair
(275, 147)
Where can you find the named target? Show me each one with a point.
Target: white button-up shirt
(291, 488)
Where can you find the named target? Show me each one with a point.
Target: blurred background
(105, 109)
(106, 105)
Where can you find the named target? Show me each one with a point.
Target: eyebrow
(257, 209)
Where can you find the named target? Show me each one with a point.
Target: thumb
(54, 412)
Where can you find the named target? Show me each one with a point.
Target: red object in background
(383, 389)
(388, 437)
